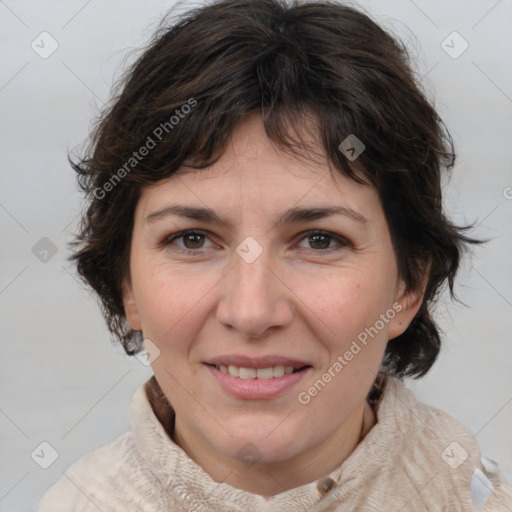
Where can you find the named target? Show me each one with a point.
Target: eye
(189, 241)
(321, 241)
(193, 241)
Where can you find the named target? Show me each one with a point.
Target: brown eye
(319, 241)
(193, 240)
(186, 241)
(324, 241)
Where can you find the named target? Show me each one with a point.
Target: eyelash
(342, 243)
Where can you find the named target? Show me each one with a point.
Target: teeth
(279, 371)
(265, 373)
(247, 373)
(234, 370)
(255, 373)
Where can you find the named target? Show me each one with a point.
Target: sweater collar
(151, 416)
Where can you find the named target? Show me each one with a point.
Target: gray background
(62, 381)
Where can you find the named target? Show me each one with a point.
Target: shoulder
(124, 474)
(443, 456)
(101, 480)
(427, 425)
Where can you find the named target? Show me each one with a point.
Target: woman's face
(256, 284)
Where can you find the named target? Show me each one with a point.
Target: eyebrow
(291, 216)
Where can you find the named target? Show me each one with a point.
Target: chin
(266, 448)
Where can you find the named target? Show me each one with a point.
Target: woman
(265, 219)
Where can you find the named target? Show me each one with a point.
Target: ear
(407, 304)
(130, 306)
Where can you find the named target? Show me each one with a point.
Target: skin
(302, 296)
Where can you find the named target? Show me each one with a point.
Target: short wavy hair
(214, 65)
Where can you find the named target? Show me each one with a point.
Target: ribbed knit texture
(398, 466)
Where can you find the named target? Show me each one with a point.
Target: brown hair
(217, 64)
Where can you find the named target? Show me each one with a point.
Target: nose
(255, 298)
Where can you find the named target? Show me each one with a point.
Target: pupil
(323, 238)
(195, 243)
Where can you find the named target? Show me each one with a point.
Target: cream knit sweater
(416, 458)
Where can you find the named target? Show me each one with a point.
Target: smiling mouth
(258, 373)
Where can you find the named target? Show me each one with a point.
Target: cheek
(346, 318)
(167, 300)
(348, 301)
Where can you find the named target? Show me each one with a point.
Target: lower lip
(257, 389)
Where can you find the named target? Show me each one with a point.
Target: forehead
(254, 171)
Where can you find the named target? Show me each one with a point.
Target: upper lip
(256, 362)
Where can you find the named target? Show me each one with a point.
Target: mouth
(263, 383)
(266, 373)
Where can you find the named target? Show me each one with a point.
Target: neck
(271, 479)
(268, 479)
